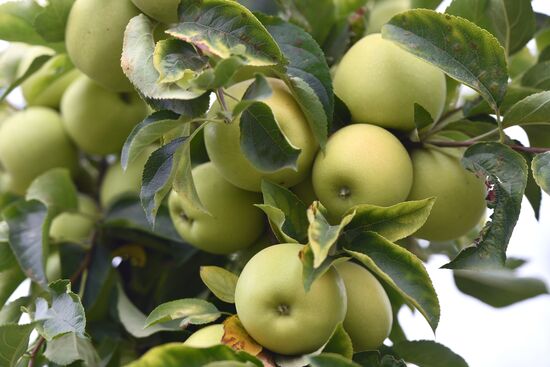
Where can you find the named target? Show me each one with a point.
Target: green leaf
(457, 46)
(225, 28)
(316, 17)
(286, 212)
(506, 171)
(35, 65)
(262, 141)
(56, 190)
(514, 94)
(426, 4)
(307, 75)
(422, 117)
(534, 109)
(258, 90)
(137, 63)
(69, 348)
(10, 273)
(498, 288)
(133, 319)
(394, 222)
(309, 272)
(339, 343)
(147, 133)
(541, 170)
(221, 282)
(544, 55)
(190, 108)
(176, 60)
(427, 353)
(220, 75)
(15, 339)
(189, 311)
(52, 20)
(538, 76)
(331, 360)
(11, 312)
(533, 192)
(16, 22)
(178, 355)
(400, 269)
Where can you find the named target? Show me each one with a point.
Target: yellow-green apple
(165, 11)
(32, 142)
(275, 309)
(232, 222)
(369, 316)
(380, 83)
(76, 226)
(206, 337)
(362, 164)
(223, 141)
(383, 11)
(98, 119)
(460, 195)
(94, 36)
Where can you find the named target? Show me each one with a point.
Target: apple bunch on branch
(260, 183)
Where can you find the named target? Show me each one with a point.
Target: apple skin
(47, 85)
(383, 11)
(233, 222)
(460, 195)
(165, 11)
(369, 315)
(380, 83)
(206, 337)
(98, 119)
(223, 141)
(275, 309)
(362, 164)
(94, 36)
(75, 227)
(32, 142)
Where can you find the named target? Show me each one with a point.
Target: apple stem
(283, 310)
(35, 350)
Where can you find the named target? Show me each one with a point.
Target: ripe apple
(460, 195)
(94, 36)
(98, 119)
(233, 222)
(32, 142)
(369, 317)
(223, 141)
(380, 83)
(47, 85)
(75, 227)
(362, 164)
(206, 337)
(383, 11)
(275, 309)
(165, 11)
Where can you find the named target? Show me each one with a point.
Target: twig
(35, 350)
(467, 143)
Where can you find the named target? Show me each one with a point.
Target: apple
(165, 11)
(369, 315)
(206, 337)
(46, 86)
(362, 164)
(94, 36)
(383, 11)
(305, 191)
(98, 119)
(275, 309)
(232, 222)
(460, 195)
(32, 142)
(345, 7)
(380, 83)
(223, 140)
(75, 227)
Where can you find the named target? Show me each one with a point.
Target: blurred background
(514, 336)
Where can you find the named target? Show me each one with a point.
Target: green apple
(165, 11)
(345, 7)
(94, 36)
(53, 266)
(223, 141)
(32, 142)
(275, 309)
(75, 227)
(118, 182)
(383, 11)
(305, 191)
(380, 83)
(232, 222)
(206, 337)
(98, 119)
(369, 316)
(460, 195)
(362, 164)
(47, 85)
